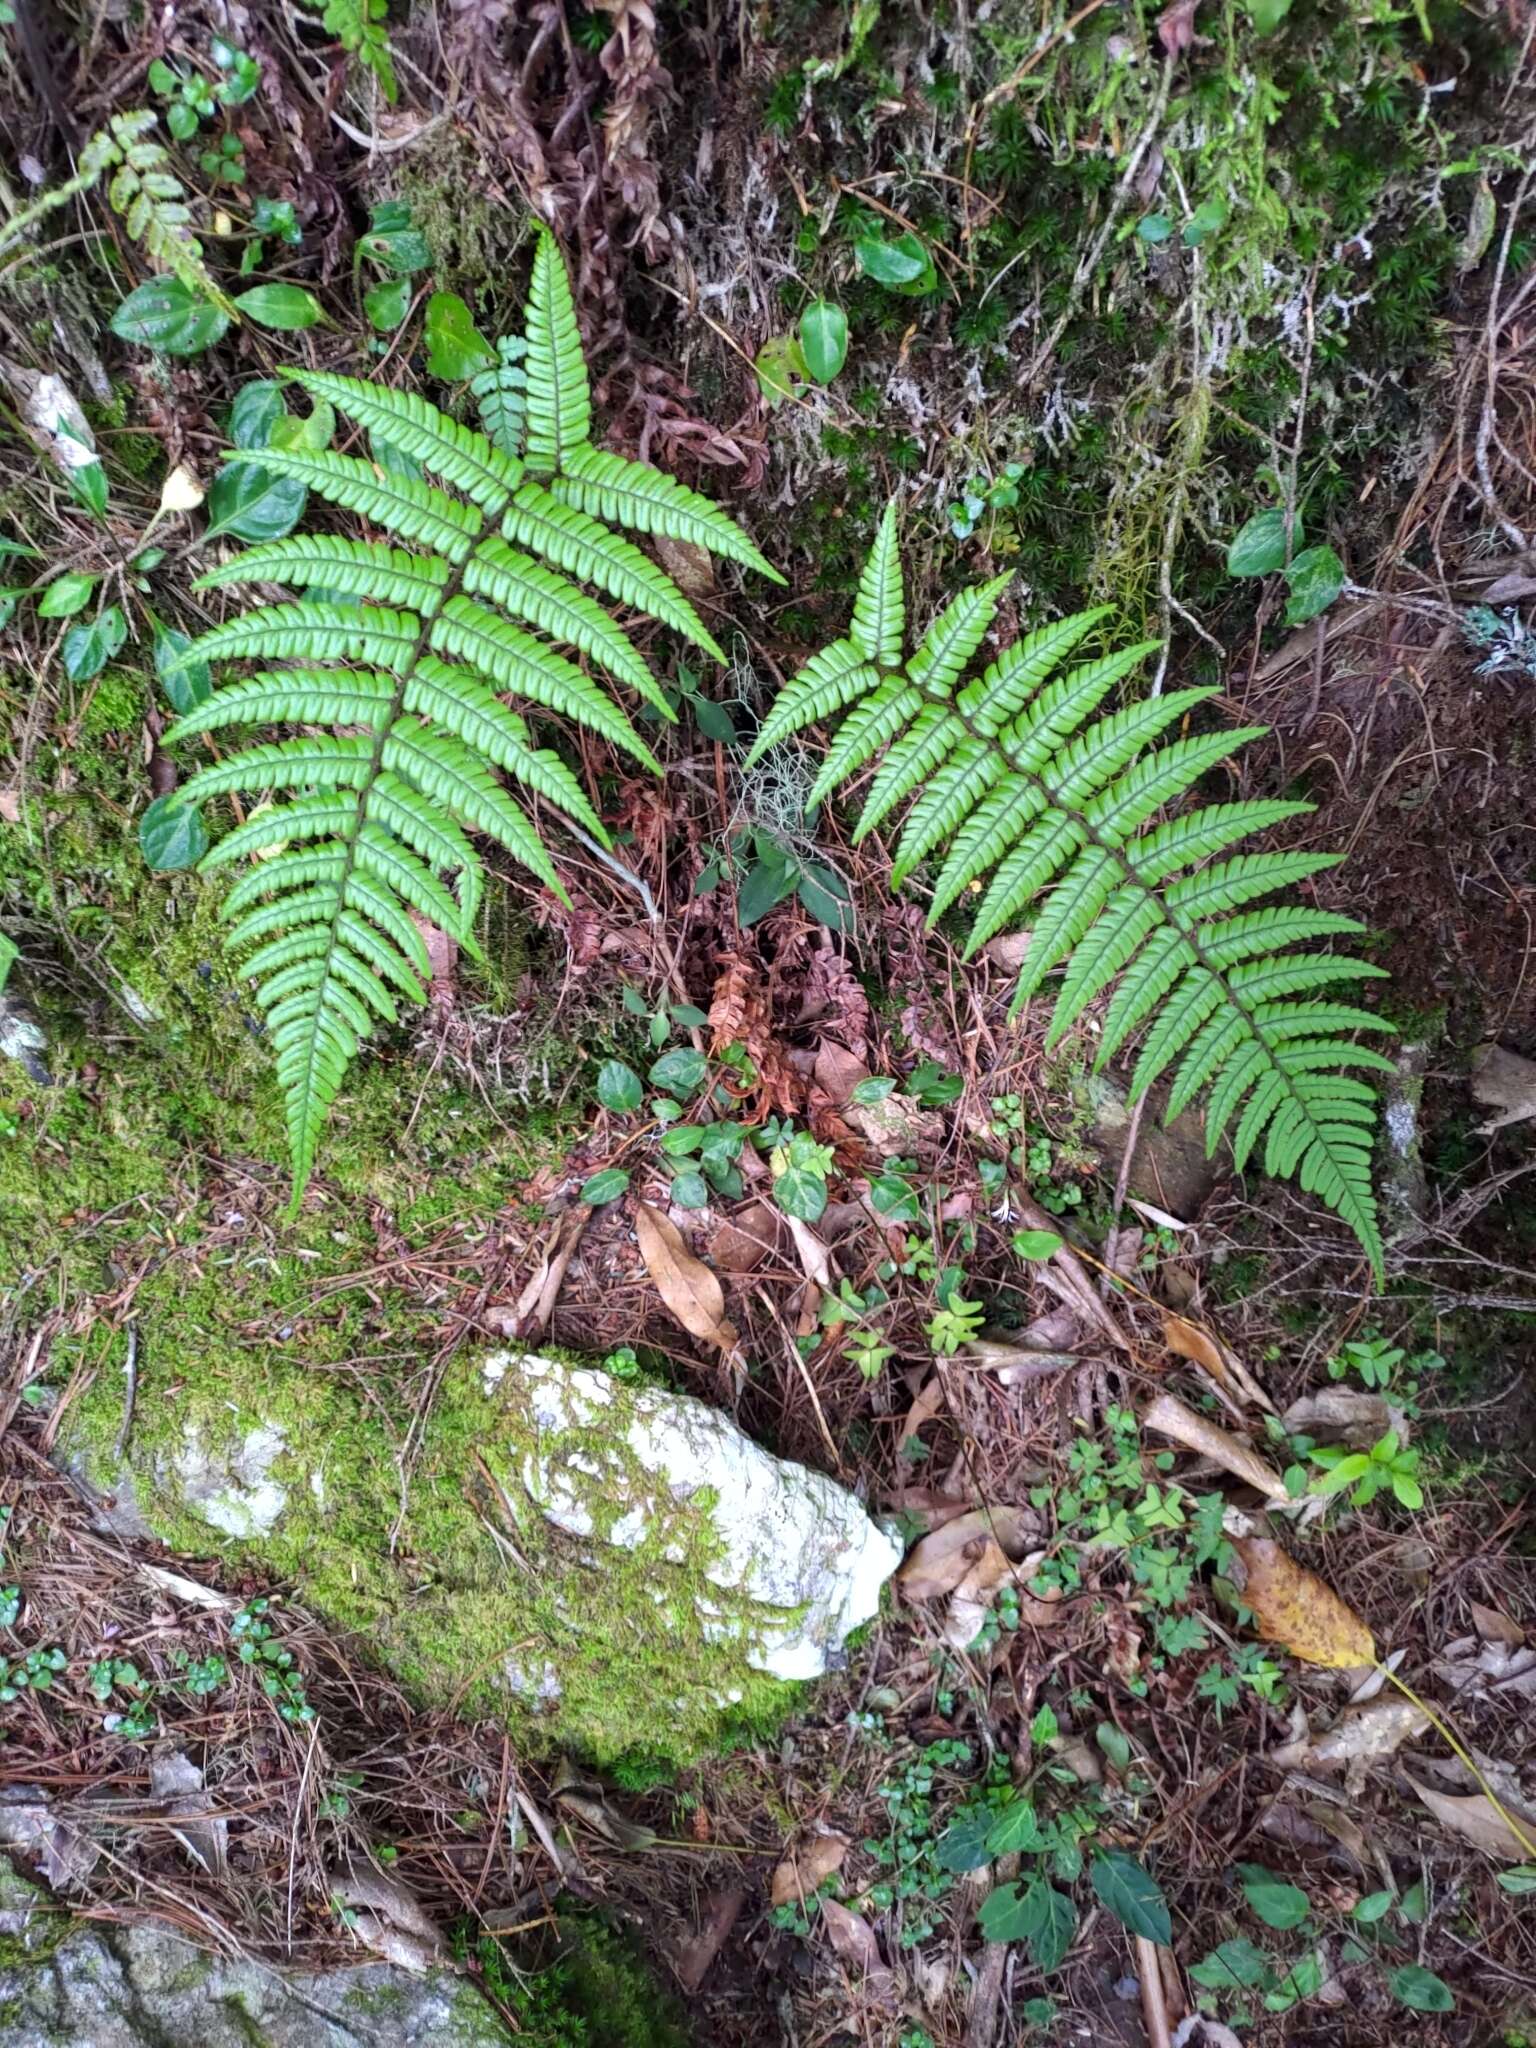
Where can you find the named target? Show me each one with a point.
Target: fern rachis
(1021, 778)
(405, 648)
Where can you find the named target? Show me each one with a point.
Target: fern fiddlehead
(409, 646)
(1015, 776)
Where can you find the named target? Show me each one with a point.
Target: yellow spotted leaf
(1294, 1608)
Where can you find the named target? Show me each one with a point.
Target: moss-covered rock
(611, 1567)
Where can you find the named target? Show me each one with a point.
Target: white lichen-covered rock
(232, 1489)
(792, 1553)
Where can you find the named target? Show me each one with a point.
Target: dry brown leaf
(176, 1780)
(1478, 1821)
(814, 1861)
(936, 1565)
(1169, 1417)
(747, 1239)
(695, 1954)
(814, 1261)
(1347, 1415)
(973, 1596)
(687, 1286)
(854, 1940)
(686, 563)
(923, 1410)
(1202, 1348)
(1378, 1729)
(1495, 1627)
(838, 1071)
(1503, 1081)
(1294, 1608)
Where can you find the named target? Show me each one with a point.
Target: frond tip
(396, 671)
(1019, 776)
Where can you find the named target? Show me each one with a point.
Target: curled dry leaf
(382, 1896)
(1226, 1369)
(1377, 1729)
(687, 1286)
(938, 1563)
(854, 1939)
(1495, 1627)
(1169, 1417)
(1477, 1820)
(176, 1780)
(1347, 1415)
(810, 1865)
(1294, 1608)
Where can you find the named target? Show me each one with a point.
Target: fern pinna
(407, 646)
(1014, 776)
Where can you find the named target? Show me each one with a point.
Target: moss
(597, 1993)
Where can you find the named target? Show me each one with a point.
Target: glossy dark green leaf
(619, 1087)
(253, 504)
(386, 304)
(824, 339)
(1131, 1894)
(88, 647)
(680, 1072)
(89, 484)
(901, 261)
(1259, 549)
(606, 1186)
(894, 1198)
(257, 408)
(690, 1190)
(765, 884)
(186, 683)
(172, 834)
(682, 1141)
(456, 349)
(286, 308)
(934, 1086)
(712, 719)
(963, 1844)
(1315, 578)
(801, 1194)
(165, 316)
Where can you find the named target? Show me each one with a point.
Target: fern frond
(409, 656)
(559, 404)
(1026, 778)
(152, 201)
(358, 25)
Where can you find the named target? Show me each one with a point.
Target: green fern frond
(401, 688)
(152, 202)
(1023, 779)
(358, 25)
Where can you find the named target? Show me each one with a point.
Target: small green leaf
(606, 1186)
(456, 349)
(257, 408)
(824, 339)
(780, 367)
(88, 648)
(172, 834)
(826, 896)
(1315, 577)
(1154, 228)
(679, 1072)
(186, 683)
(1038, 1914)
(766, 883)
(66, 595)
(1421, 1989)
(1127, 1891)
(89, 484)
(932, 1085)
(713, 720)
(1373, 1907)
(165, 316)
(287, 308)
(894, 1198)
(688, 1016)
(253, 504)
(1303, 1980)
(1259, 549)
(682, 1140)
(1276, 1903)
(619, 1087)
(902, 262)
(387, 304)
(1015, 1828)
(1207, 219)
(1237, 1965)
(1519, 1880)
(690, 1190)
(1114, 1745)
(801, 1194)
(1037, 1244)
(868, 1093)
(963, 1844)
(1267, 15)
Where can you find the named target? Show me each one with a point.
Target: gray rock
(144, 1987)
(1170, 1169)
